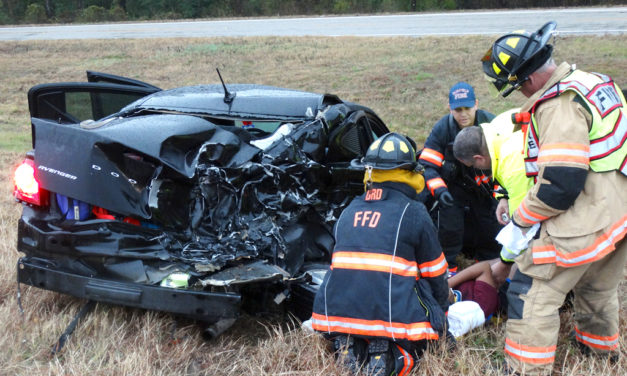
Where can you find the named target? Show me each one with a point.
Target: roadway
(590, 20)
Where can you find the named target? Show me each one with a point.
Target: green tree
(4, 16)
(449, 4)
(117, 13)
(93, 13)
(35, 13)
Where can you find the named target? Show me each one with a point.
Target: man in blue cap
(466, 206)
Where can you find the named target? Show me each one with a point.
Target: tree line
(88, 11)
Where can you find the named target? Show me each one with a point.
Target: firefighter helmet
(515, 56)
(390, 151)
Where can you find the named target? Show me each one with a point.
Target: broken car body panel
(239, 196)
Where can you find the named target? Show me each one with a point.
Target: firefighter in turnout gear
(371, 303)
(465, 216)
(576, 153)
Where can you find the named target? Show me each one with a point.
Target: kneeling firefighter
(388, 273)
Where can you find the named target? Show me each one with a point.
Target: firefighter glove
(445, 199)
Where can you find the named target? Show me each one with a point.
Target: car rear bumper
(199, 305)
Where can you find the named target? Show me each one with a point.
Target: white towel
(463, 317)
(513, 239)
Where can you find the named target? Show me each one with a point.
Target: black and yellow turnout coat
(385, 242)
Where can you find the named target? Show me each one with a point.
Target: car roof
(249, 100)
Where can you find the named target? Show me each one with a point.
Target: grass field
(405, 80)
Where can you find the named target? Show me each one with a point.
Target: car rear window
(263, 125)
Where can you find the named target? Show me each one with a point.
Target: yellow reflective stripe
(512, 42)
(375, 144)
(508, 255)
(611, 142)
(504, 58)
(388, 146)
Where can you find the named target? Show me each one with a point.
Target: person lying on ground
(475, 297)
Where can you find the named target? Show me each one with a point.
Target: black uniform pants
(469, 226)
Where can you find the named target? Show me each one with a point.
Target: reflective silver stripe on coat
(403, 332)
(398, 231)
(375, 261)
(434, 268)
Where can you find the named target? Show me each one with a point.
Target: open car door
(73, 102)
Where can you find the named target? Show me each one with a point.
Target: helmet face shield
(502, 87)
(495, 85)
(494, 73)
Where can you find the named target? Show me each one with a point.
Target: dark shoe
(346, 354)
(379, 358)
(451, 342)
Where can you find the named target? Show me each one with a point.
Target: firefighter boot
(379, 358)
(348, 353)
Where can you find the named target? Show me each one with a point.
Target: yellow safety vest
(505, 147)
(608, 149)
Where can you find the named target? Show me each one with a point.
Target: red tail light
(26, 187)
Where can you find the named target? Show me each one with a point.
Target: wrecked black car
(202, 201)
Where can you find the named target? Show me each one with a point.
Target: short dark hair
(468, 142)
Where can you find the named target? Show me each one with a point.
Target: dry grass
(404, 79)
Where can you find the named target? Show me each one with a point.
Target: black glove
(445, 199)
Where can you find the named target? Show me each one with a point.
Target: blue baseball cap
(461, 95)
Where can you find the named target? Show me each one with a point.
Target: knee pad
(519, 285)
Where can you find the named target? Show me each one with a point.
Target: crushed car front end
(184, 203)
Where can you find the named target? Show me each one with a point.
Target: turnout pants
(469, 226)
(533, 319)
